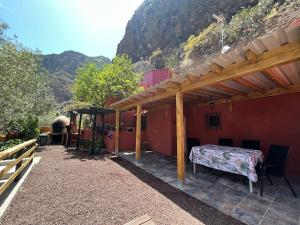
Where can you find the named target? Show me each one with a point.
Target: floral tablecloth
(230, 159)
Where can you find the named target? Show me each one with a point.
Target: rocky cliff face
(167, 23)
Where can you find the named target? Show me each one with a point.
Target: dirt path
(71, 188)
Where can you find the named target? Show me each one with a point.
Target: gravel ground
(74, 188)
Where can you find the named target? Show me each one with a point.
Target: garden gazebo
(93, 112)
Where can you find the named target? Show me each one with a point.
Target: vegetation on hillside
(246, 22)
(94, 86)
(25, 92)
(62, 70)
(166, 24)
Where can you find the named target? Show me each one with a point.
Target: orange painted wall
(272, 120)
(127, 141)
(160, 130)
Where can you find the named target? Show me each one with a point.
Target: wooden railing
(17, 157)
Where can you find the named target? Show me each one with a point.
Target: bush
(205, 37)
(26, 127)
(244, 23)
(9, 144)
(248, 20)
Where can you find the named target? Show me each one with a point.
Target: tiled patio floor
(227, 193)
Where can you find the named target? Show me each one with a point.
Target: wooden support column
(138, 133)
(117, 132)
(79, 131)
(180, 138)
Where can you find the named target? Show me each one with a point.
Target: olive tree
(24, 87)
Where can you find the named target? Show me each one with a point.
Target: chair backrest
(277, 156)
(251, 144)
(225, 141)
(191, 142)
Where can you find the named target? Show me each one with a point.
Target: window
(213, 121)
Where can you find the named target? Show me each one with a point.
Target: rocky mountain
(180, 34)
(162, 24)
(62, 69)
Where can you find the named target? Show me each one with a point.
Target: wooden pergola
(93, 111)
(267, 66)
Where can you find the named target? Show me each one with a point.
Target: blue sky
(93, 27)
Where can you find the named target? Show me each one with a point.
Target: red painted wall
(272, 120)
(155, 76)
(160, 130)
(126, 141)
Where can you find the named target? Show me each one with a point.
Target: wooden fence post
(19, 153)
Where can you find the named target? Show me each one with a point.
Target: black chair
(251, 144)
(191, 142)
(225, 142)
(275, 165)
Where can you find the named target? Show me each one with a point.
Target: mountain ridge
(62, 70)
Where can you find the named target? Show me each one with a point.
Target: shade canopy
(266, 66)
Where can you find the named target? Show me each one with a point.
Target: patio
(226, 192)
(74, 187)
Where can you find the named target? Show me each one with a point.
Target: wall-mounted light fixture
(211, 105)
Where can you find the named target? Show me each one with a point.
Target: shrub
(244, 23)
(9, 144)
(205, 37)
(25, 127)
(247, 21)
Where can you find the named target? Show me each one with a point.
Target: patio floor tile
(287, 215)
(287, 199)
(245, 216)
(227, 193)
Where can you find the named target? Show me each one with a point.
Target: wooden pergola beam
(251, 56)
(282, 55)
(216, 68)
(192, 77)
(268, 93)
(173, 85)
(277, 56)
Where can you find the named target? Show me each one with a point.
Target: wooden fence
(17, 157)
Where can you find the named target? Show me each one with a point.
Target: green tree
(24, 89)
(94, 86)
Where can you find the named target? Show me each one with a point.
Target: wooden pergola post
(138, 133)
(92, 152)
(117, 132)
(180, 139)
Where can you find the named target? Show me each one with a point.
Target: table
(230, 159)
